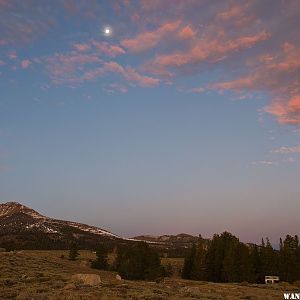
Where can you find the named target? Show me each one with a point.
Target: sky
(153, 117)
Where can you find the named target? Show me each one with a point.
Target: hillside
(24, 228)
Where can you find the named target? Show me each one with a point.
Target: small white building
(271, 279)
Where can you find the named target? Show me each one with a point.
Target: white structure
(271, 279)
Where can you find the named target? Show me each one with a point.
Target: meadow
(36, 275)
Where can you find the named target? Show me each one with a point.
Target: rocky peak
(12, 207)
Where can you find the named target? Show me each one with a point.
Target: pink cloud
(99, 47)
(197, 90)
(76, 67)
(130, 74)
(279, 75)
(65, 67)
(238, 15)
(231, 12)
(108, 49)
(146, 81)
(5, 3)
(240, 39)
(287, 150)
(209, 49)
(187, 33)
(81, 47)
(22, 22)
(25, 63)
(267, 163)
(258, 42)
(149, 39)
(117, 87)
(13, 55)
(286, 111)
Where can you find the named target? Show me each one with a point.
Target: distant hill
(182, 239)
(172, 245)
(24, 228)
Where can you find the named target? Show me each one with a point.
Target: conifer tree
(269, 259)
(73, 252)
(188, 263)
(289, 260)
(101, 261)
(198, 268)
(256, 263)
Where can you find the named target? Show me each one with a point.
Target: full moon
(107, 31)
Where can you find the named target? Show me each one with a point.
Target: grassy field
(45, 275)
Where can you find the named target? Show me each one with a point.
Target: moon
(107, 31)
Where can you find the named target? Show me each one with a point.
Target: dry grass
(44, 275)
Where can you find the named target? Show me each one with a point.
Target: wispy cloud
(287, 150)
(128, 73)
(251, 46)
(266, 163)
(22, 22)
(25, 63)
(110, 50)
(278, 74)
(208, 50)
(81, 47)
(149, 39)
(76, 67)
(116, 87)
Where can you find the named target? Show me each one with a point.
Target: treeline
(226, 259)
(37, 240)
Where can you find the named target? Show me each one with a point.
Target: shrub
(168, 270)
(297, 283)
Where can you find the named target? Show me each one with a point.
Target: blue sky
(182, 119)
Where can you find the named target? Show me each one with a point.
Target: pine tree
(269, 258)
(101, 261)
(216, 254)
(289, 260)
(256, 263)
(73, 252)
(198, 269)
(188, 263)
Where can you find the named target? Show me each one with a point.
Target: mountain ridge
(21, 226)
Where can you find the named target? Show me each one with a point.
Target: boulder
(84, 263)
(87, 279)
(191, 291)
(70, 286)
(118, 277)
